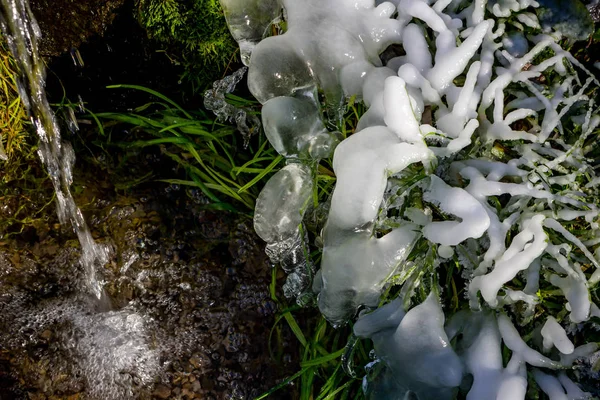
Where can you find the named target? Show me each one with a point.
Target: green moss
(25, 191)
(194, 33)
(13, 117)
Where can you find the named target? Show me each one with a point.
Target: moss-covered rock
(194, 33)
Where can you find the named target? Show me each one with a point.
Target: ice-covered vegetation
(474, 161)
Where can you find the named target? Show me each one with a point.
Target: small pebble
(162, 392)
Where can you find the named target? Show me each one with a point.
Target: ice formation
(488, 122)
(214, 100)
(416, 348)
(248, 21)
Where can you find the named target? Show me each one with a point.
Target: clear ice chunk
(248, 21)
(354, 273)
(281, 204)
(278, 217)
(291, 255)
(417, 351)
(322, 38)
(355, 265)
(276, 69)
(386, 317)
(294, 128)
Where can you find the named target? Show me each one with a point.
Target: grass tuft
(211, 154)
(13, 116)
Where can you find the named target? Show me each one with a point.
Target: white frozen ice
(555, 335)
(474, 220)
(466, 101)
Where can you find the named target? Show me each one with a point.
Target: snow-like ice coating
(472, 110)
(524, 249)
(456, 201)
(555, 335)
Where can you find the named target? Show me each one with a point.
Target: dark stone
(66, 24)
(162, 392)
(570, 17)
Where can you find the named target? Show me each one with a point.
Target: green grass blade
(198, 132)
(332, 395)
(97, 120)
(247, 170)
(295, 329)
(219, 179)
(154, 93)
(239, 101)
(148, 105)
(194, 130)
(322, 360)
(261, 148)
(244, 168)
(130, 119)
(152, 142)
(332, 382)
(273, 284)
(258, 177)
(306, 384)
(281, 385)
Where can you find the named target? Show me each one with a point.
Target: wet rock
(162, 392)
(65, 24)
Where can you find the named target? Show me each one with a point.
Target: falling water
(107, 347)
(23, 35)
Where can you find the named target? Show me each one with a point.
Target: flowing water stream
(23, 35)
(171, 301)
(101, 341)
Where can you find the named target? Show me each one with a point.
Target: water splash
(111, 353)
(23, 34)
